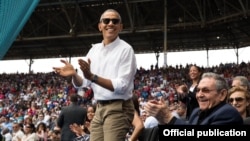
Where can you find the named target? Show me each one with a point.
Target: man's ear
(121, 27)
(223, 95)
(99, 27)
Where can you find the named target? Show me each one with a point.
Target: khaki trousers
(112, 121)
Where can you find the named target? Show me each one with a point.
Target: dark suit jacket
(149, 134)
(69, 115)
(247, 121)
(222, 114)
(191, 102)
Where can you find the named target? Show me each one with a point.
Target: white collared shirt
(115, 61)
(19, 134)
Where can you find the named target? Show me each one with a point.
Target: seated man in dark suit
(213, 109)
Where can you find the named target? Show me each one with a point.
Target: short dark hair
(111, 10)
(73, 98)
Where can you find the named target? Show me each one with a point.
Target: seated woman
(83, 131)
(239, 98)
(30, 133)
(90, 115)
(137, 122)
(41, 131)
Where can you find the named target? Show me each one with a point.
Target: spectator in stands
(47, 116)
(2, 110)
(17, 133)
(71, 114)
(181, 108)
(190, 100)
(213, 109)
(90, 115)
(6, 123)
(29, 133)
(28, 120)
(145, 93)
(55, 135)
(137, 123)
(53, 121)
(41, 119)
(81, 132)
(143, 115)
(41, 131)
(32, 110)
(7, 134)
(150, 121)
(241, 81)
(239, 98)
(109, 71)
(88, 95)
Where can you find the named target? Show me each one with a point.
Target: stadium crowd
(34, 100)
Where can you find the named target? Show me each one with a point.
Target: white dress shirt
(115, 61)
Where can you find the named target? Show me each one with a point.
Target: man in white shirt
(17, 133)
(109, 70)
(150, 122)
(6, 134)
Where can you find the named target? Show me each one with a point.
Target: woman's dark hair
(32, 126)
(74, 98)
(136, 103)
(43, 125)
(86, 130)
(94, 108)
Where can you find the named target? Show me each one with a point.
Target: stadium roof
(67, 28)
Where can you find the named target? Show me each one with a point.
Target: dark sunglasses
(237, 99)
(107, 20)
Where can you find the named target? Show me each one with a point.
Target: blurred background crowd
(36, 99)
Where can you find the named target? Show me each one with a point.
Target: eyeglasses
(204, 90)
(107, 21)
(237, 99)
